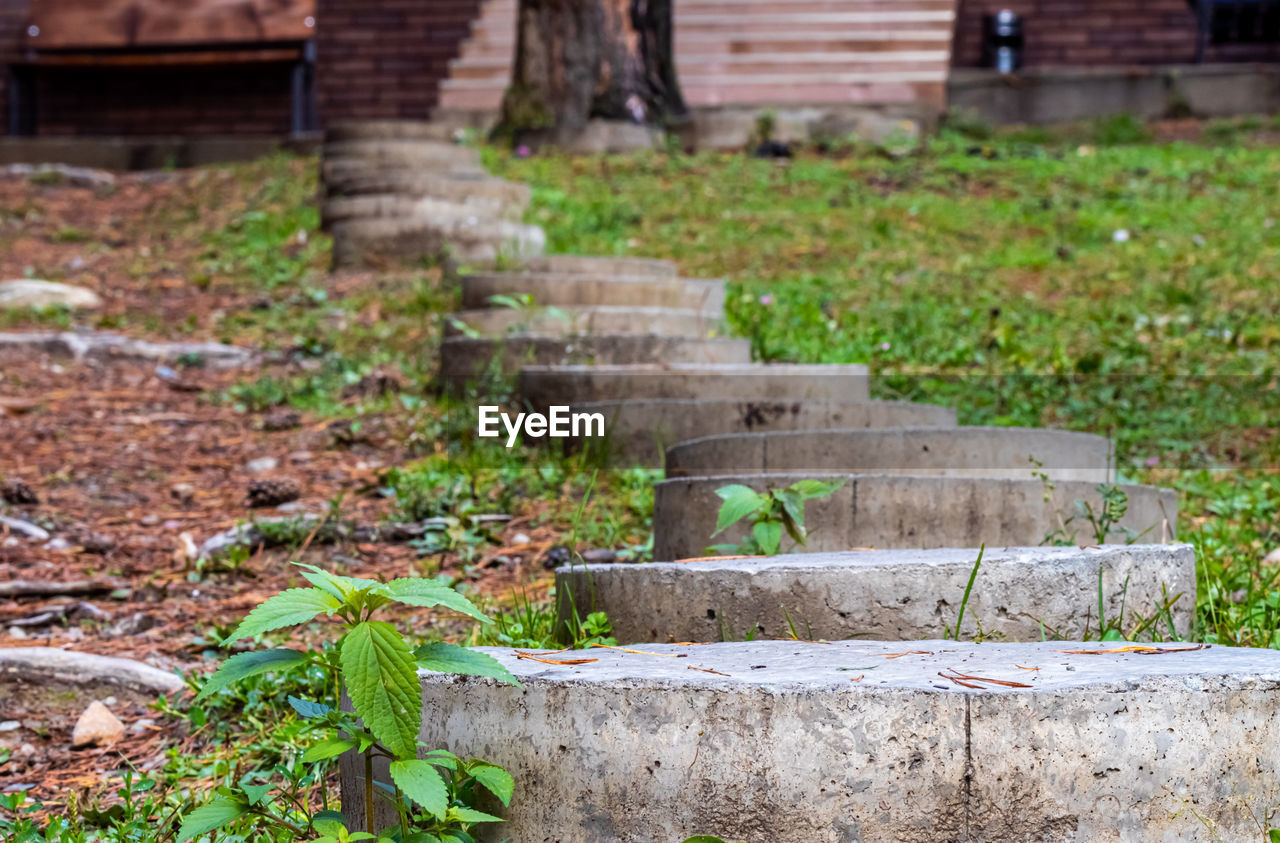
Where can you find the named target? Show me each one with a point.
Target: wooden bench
(165, 33)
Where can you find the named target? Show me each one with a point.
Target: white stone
(30, 293)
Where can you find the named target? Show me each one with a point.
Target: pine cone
(17, 493)
(272, 492)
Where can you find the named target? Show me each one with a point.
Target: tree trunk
(582, 59)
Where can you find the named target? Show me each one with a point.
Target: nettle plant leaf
(309, 709)
(382, 682)
(288, 608)
(327, 748)
(212, 816)
(811, 488)
(451, 658)
(495, 780)
(244, 665)
(339, 586)
(471, 815)
(768, 535)
(419, 591)
(793, 513)
(422, 783)
(739, 502)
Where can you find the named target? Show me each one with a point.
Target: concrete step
(425, 208)
(378, 242)
(1020, 593)
(542, 386)
(729, 739)
(449, 187)
(910, 511)
(639, 431)
(574, 290)
(761, 64)
(776, 38)
(495, 323)
(1009, 452)
(463, 359)
(423, 154)
(579, 264)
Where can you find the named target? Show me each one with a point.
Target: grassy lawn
(1092, 280)
(1073, 281)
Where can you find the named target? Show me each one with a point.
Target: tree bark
(582, 59)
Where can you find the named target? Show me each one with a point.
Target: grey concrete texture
(561, 289)
(1056, 95)
(425, 208)
(595, 265)
(450, 187)
(408, 154)
(858, 741)
(464, 358)
(541, 386)
(1010, 452)
(906, 511)
(705, 295)
(496, 322)
(1019, 594)
(378, 242)
(387, 130)
(639, 431)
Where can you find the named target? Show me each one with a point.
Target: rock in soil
(272, 492)
(17, 493)
(97, 726)
(27, 293)
(281, 420)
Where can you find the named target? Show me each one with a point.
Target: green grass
(1099, 282)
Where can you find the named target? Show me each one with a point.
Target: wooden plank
(92, 24)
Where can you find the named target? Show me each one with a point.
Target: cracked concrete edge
(1019, 594)
(956, 451)
(910, 511)
(636, 748)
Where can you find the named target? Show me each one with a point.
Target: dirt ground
(134, 467)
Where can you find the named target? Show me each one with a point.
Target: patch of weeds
(769, 515)
(1120, 129)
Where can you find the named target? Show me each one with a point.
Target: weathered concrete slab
(1020, 594)
(639, 432)
(450, 187)
(853, 741)
(424, 208)
(400, 153)
(1011, 452)
(384, 130)
(495, 322)
(472, 239)
(464, 358)
(574, 290)
(595, 265)
(108, 347)
(757, 382)
(906, 511)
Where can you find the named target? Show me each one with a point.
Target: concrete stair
(780, 52)
(870, 741)
(903, 737)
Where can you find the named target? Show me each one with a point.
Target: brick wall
(242, 99)
(1097, 32)
(13, 18)
(380, 59)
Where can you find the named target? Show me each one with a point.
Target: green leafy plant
(769, 514)
(374, 663)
